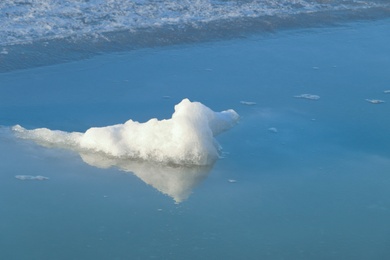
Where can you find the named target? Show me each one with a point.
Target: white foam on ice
(185, 139)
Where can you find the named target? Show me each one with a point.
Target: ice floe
(273, 130)
(171, 155)
(375, 101)
(31, 177)
(248, 103)
(308, 96)
(185, 139)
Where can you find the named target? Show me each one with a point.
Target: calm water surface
(299, 178)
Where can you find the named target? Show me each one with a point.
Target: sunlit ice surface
(185, 139)
(303, 175)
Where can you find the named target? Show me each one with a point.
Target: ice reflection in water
(176, 181)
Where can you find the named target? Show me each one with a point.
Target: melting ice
(185, 139)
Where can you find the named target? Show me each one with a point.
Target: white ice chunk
(30, 177)
(185, 139)
(308, 96)
(248, 103)
(273, 130)
(375, 101)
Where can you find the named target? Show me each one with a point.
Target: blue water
(318, 188)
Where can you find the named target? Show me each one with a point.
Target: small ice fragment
(159, 209)
(308, 96)
(375, 101)
(208, 69)
(4, 51)
(232, 181)
(166, 97)
(273, 130)
(387, 91)
(24, 177)
(248, 103)
(223, 155)
(40, 178)
(316, 68)
(30, 177)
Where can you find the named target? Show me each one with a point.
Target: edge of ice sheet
(185, 139)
